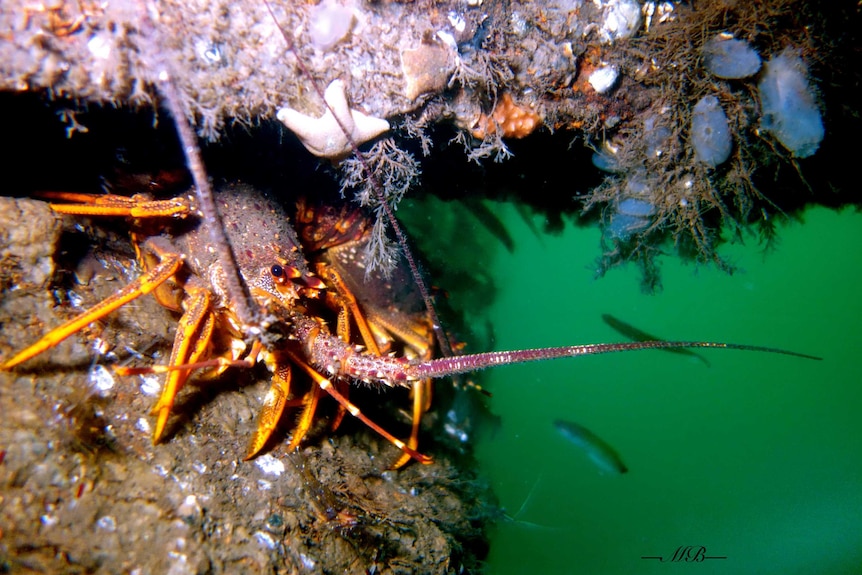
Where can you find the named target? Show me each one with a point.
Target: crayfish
(182, 272)
(297, 301)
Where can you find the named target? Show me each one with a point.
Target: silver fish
(603, 455)
(635, 334)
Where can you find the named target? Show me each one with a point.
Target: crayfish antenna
(448, 366)
(236, 288)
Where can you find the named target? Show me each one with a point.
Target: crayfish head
(284, 284)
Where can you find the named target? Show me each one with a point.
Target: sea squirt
(710, 133)
(631, 216)
(729, 58)
(329, 24)
(788, 105)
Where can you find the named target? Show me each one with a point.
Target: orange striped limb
(309, 401)
(343, 330)
(152, 279)
(373, 329)
(191, 343)
(220, 363)
(326, 385)
(178, 376)
(273, 406)
(417, 336)
(276, 401)
(194, 332)
(421, 403)
(343, 388)
(111, 205)
(345, 299)
(341, 296)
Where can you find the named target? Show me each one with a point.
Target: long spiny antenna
(240, 296)
(448, 366)
(439, 332)
(236, 288)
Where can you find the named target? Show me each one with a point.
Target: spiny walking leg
(145, 284)
(326, 385)
(190, 342)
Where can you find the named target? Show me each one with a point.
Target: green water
(758, 458)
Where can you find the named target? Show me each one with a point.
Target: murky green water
(758, 458)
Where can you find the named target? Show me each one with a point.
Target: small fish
(635, 334)
(525, 214)
(491, 221)
(603, 455)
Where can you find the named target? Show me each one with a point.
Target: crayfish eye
(277, 271)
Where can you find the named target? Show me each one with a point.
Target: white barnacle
(604, 78)
(622, 18)
(99, 46)
(101, 380)
(270, 465)
(265, 539)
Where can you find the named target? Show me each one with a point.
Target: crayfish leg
(421, 400)
(191, 341)
(343, 298)
(327, 386)
(273, 406)
(349, 308)
(152, 279)
(112, 205)
(309, 401)
(343, 388)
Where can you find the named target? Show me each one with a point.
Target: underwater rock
(622, 18)
(729, 58)
(427, 69)
(710, 133)
(26, 251)
(788, 105)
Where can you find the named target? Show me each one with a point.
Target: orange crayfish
(298, 302)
